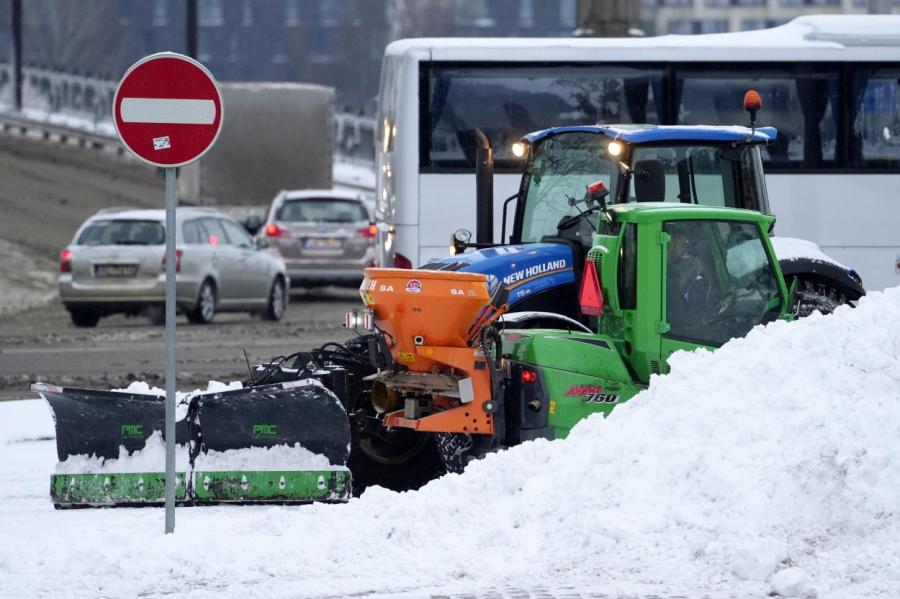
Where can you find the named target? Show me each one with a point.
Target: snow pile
(22, 421)
(789, 248)
(768, 466)
(26, 279)
(279, 457)
(152, 458)
(182, 398)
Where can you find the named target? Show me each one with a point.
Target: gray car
(115, 264)
(326, 237)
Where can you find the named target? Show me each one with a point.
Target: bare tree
(72, 35)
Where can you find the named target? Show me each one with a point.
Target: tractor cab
(674, 277)
(707, 166)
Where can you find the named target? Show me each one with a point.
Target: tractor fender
(804, 259)
(544, 320)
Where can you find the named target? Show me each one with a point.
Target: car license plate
(322, 243)
(115, 270)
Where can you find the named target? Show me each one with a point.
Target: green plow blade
(271, 486)
(138, 489)
(113, 489)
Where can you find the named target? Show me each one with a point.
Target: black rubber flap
(270, 415)
(90, 422)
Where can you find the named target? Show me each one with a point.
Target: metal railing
(77, 109)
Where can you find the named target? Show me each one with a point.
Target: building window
(233, 55)
(292, 13)
(711, 26)
(335, 12)
(526, 13)
(694, 26)
(247, 14)
(751, 24)
(472, 13)
(160, 14)
(210, 13)
(567, 12)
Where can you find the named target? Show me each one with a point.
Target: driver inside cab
(693, 297)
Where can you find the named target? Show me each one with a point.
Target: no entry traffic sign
(168, 112)
(168, 109)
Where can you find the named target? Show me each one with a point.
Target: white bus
(829, 84)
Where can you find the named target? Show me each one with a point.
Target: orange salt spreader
(434, 324)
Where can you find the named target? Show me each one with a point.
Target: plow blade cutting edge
(284, 443)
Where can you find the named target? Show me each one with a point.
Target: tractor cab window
(719, 281)
(563, 166)
(710, 175)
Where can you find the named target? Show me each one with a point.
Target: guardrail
(77, 109)
(14, 124)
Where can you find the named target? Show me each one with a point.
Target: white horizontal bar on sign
(168, 110)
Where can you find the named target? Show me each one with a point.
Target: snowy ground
(26, 280)
(769, 466)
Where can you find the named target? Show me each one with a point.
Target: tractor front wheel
(812, 295)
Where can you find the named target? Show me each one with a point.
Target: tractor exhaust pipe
(484, 189)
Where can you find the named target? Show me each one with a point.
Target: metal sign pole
(170, 349)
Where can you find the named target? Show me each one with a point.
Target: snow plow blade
(98, 423)
(285, 443)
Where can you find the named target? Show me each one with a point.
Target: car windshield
(322, 210)
(123, 232)
(563, 167)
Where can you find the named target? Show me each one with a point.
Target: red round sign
(168, 109)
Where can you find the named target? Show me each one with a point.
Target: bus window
(874, 107)
(801, 105)
(508, 101)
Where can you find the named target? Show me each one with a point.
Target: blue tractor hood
(524, 269)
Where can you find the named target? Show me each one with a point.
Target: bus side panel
(865, 238)
(447, 203)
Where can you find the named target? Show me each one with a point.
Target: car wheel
(84, 317)
(277, 301)
(205, 309)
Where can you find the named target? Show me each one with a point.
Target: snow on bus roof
(650, 133)
(822, 36)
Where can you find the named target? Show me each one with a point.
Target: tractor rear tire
(409, 467)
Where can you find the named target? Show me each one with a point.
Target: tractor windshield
(710, 175)
(563, 166)
(705, 173)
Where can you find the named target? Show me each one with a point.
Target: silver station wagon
(326, 237)
(116, 264)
